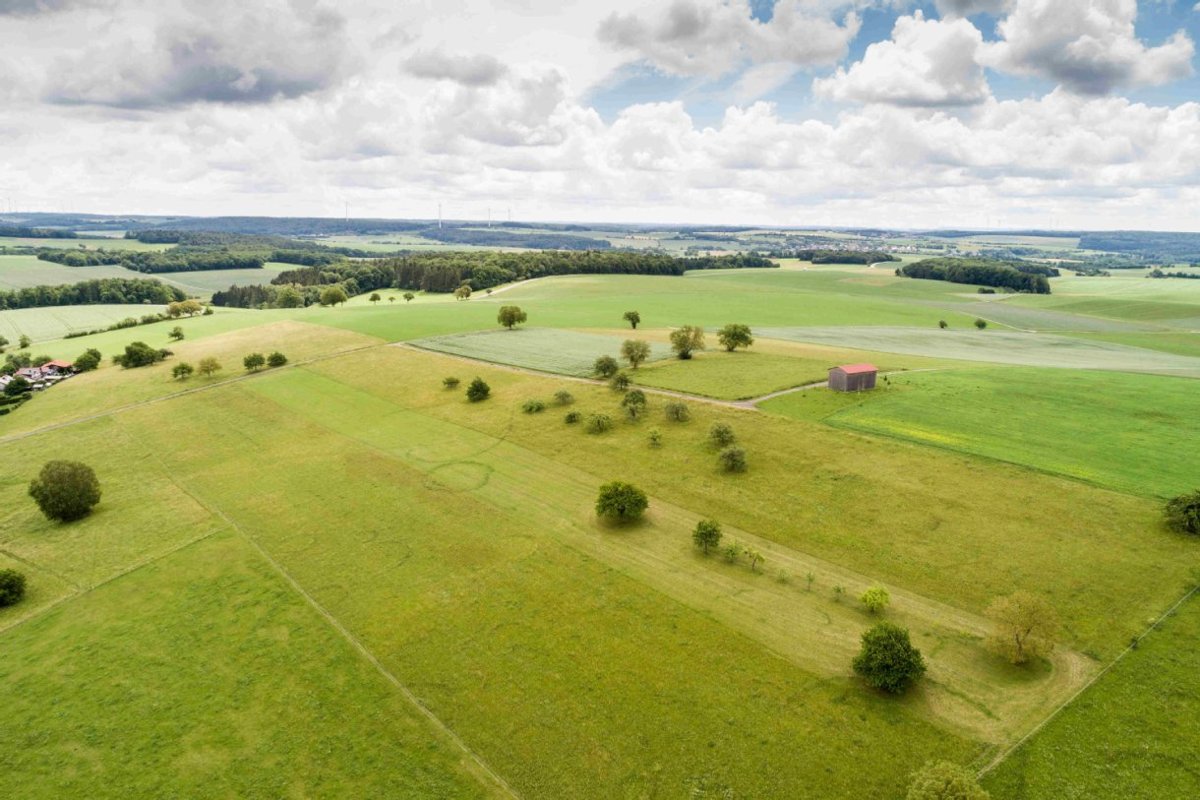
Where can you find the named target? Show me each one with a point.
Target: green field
(19, 272)
(44, 325)
(340, 579)
(1126, 432)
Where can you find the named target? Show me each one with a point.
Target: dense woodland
(1015, 275)
(1152, 245)
(22, 232)
(836, 256)
(446, 272)
(104, 290)
(177, 259)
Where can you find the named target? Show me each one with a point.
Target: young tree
(687, 339)
(175, 334)
(875, 599)
(981, 324)
(477, 390)
(276, 359)
(332, 296)
(12, 587)
(511, 316)
(464, 293)
(721, 434)
(450, 382)
(208, 366)
(65, 490)
(735, 335)
(888, 660)
(23, 342)
(635, 351)
(563, 397)
(599, 423)
(606, 366)
(374, 298)
(408, 297)
(573, 418)
(182, 371)
(943, 780)
(943, 324)
(88, 360)
(654, 437)
(633, 318)
(677, 411)
(1025, 626)
(533, 406)
(391, 298)
(707, 535)
(1183, 513)
(753, 557)
(621, 502)
(733, 459)
(634, 403)
(254, 362)
(619, 382)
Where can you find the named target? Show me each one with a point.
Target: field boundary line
(1133, 644)
(14, 437)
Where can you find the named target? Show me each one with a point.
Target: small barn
(853, 377)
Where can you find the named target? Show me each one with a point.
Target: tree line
(22, 232)
(93, 292)
(1019, 277)
(835, 256)
(174, 260)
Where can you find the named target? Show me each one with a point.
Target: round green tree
(942, 780)
(1183, 513)
(12, 587)
(511, 316)
(621, 502)
(735, 335)
(875, 599)
(478, 390)
(606, 367)
(888, 660)
(332, 296)
(65, 490)
(707, 535)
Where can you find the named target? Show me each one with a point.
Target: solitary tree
(621, 502)
(599, 423)
(478, 390)
(721, 434)
(23, 342)
(753, 557)
(677, 411)
(276, 359)
(888, 660)
(981, 324)
(176, 334)
(511, 316)
(619, 382)
(182, 371)
(707, 535)
(254, 362)
(332, 296)
(1183, 513)
(463, 293)
(12, 587)
(687, 339)
(65, 490)
(563, 397)
(606, 366)
(635, 351)
(391, 298)
(943, 324)
(943, 780)
(634, 403)
(733, 459)
(735, 335)
(875, 599)
(450, 382)
(1024, 627)
(208, 366)
(374, 298)
(633, 318)
(408, 297)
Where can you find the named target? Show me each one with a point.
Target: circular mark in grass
(459, 476)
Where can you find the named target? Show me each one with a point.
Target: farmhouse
(853, 377)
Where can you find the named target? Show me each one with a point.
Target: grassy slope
(548, 349)
(1132, 734)
(1127, 432)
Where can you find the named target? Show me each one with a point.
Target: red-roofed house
(853, 377)
(57, 367)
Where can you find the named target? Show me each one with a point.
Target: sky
(893, 113)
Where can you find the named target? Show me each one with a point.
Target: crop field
(52, 322)
(1134, 433)
(203, 283)
(545, 349)
(997, 346)
(19, 272)
(94, 243)
(338, 578)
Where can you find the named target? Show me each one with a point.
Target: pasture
(344, 571)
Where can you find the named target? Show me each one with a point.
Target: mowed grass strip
(570, 677)
(1135, 433)
(1132, 734)
(546, 349)
(947, 526)
(204, 675)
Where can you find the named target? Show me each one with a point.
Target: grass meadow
(338, 578)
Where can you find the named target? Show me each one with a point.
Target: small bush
(1183, 513)
(733, 459)
(12, 587)
(655, 438)
(599, 423)
(676, 411)
(478, 390)
(875, 599)
(943, 780)
(563, 397)
(634, 404)
(619, 382)
(451, 382)
(943, 324)
(721, 434)
(276, 359)
(533, 406)
(621, 502)
(981, 324)
(573, 417)
(731, 552)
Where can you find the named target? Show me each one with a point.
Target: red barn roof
(58, 363)
(857, 369)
